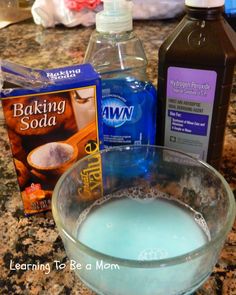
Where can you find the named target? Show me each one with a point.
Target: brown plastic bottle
(196, 68)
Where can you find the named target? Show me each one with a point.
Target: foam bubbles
(202, 223)
(145, 194)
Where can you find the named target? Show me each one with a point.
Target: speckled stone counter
(35, 239)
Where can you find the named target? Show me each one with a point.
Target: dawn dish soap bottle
(129, 102)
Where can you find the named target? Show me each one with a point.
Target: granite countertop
(35, 239)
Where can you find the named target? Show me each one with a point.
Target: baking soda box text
(50, 128)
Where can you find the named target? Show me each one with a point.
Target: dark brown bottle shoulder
(202, 42)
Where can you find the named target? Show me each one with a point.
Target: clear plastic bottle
(129, 101)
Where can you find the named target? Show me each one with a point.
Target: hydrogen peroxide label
(115, 111)
(189, 107)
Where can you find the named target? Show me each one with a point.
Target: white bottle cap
(205, 3)
(115, 18)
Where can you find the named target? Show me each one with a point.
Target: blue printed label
(188, 123)
(189, 107)
(115, 112)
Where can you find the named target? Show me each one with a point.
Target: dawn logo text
(115, 112)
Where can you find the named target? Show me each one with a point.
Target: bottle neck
(121, 36)
(204, 13)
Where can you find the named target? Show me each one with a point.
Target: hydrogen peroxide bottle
(128, 100)
(196, 67)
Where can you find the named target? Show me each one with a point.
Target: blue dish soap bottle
(129, 102)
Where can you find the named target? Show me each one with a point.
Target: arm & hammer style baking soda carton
(53, 119)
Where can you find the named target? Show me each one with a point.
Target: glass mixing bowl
(142, 220)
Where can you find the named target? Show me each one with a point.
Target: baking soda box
(52, 122)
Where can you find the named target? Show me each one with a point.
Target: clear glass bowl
(159, 174)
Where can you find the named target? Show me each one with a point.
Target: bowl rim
(220, 237)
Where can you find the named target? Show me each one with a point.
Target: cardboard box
(50, 128)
